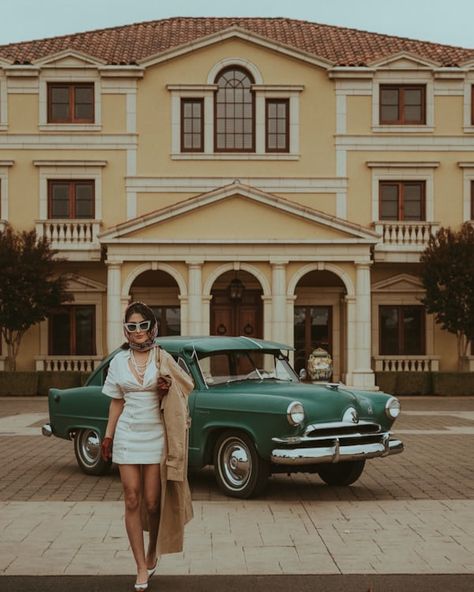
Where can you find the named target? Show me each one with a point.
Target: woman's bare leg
(152, 491)
(130, 477)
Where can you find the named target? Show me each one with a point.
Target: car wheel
(343, 473)
(87, 450)
(240, 471)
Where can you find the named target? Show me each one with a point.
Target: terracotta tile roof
(129, 44)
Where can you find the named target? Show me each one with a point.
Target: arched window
(234, 111)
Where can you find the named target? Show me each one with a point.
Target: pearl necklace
(140, 369)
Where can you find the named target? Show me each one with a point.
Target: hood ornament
(351, 416)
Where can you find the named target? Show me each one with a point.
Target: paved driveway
(437, 463)
(408, 514)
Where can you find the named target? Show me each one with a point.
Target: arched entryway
(319, 312)
(236, 305)
(160, 291)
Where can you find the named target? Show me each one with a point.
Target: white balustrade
(67, 363)
(70, 234)
(406, 363)
(414, 234)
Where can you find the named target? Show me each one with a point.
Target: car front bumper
(334, 450)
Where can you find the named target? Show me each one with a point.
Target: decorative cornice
(403, 164)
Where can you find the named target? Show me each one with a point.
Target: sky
(441, 21)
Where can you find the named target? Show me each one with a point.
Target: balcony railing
(67, 363)
(406, 234)
(406, 363)
(70, 232)
(72, 236)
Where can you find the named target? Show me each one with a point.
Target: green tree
(30, 288)
(448, 278)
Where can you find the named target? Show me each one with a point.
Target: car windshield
(231, 366)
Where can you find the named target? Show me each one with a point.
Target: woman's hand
(163, 386)
(106, 448)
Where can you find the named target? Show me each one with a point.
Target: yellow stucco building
(265, 177)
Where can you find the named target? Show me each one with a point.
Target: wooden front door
(234, 318)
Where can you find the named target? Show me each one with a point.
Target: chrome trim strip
(259, 345)
(335, 453)
(291, 440)
(334, 425)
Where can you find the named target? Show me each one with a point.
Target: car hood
(321, 402)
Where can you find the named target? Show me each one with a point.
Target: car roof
(208, 344)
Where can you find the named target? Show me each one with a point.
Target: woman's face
(137, 336)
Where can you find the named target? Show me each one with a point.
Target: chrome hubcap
(235, 463)
(90, 447)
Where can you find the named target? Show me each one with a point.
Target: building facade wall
(299, 226)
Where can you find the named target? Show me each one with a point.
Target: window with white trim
(402, 103)
(234, 113)
(402, 200)
(71, 199)
(235, 116)
(72, 331)
(402, 330)
(70, 102)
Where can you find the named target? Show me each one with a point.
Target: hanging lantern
(236, 289)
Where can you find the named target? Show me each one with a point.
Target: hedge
(395, 383)
(426, 383)
(38, 383)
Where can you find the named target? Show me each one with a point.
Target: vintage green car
(251, 417)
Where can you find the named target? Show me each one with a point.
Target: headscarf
(152, 333)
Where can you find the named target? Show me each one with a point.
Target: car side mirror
(303, 374)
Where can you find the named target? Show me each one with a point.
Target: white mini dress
(139, 433)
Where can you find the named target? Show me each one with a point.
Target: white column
(206, 315)
(363, 375)
(279, 320)
(183, 303)
(290, 325)
(114, 306)
(267, 318)
(195, 297)
(350, 338)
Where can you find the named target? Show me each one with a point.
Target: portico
(256, 237)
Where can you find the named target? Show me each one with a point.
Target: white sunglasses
(137, 327)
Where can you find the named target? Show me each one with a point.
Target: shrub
(453, 383)
(38, 383)
(18, 383)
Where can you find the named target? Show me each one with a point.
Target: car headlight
(392, 408)
(295, 413)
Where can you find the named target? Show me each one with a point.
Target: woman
(146, 435)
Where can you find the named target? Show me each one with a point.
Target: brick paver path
(433, 466)
(411, 513)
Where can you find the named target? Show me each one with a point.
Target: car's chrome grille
(340, 428)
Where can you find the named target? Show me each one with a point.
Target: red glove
(106, 449)
(163, 386)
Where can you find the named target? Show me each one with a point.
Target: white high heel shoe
(151, 570)
(141, 587)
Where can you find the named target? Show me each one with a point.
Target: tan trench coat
(175, 503)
